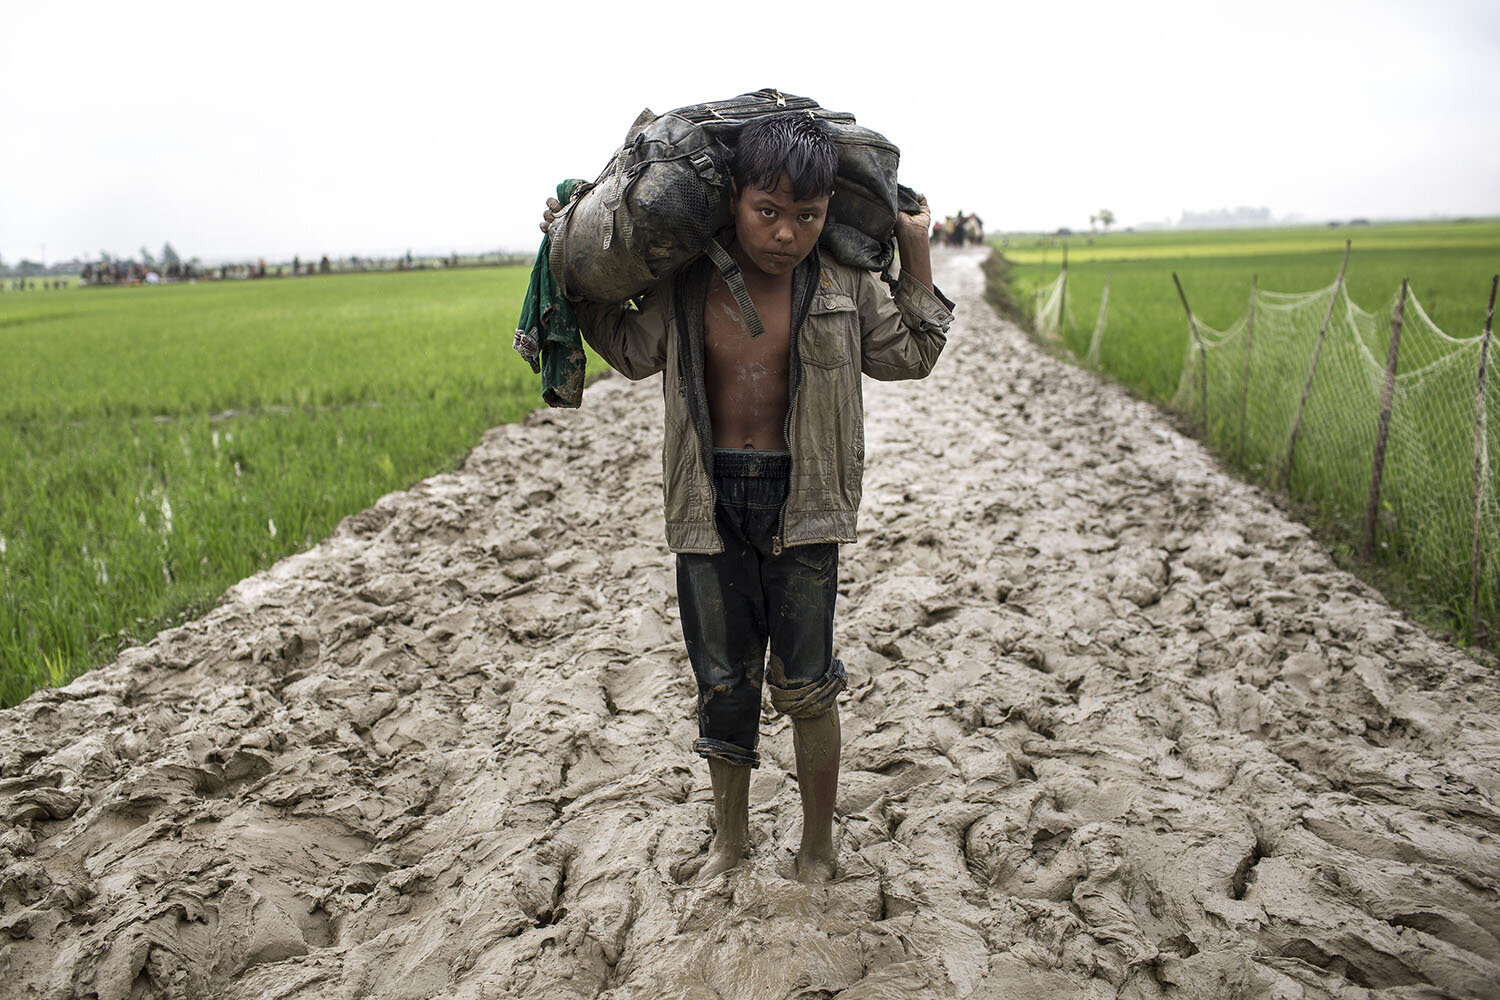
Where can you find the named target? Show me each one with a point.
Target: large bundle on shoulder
(665, 193)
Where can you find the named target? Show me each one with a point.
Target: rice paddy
(162, 442)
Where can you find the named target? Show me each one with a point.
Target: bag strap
(616, 191)
(736, 282)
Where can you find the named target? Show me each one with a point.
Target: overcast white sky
(270, 128)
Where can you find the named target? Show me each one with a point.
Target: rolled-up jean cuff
(810, 699)
(728, 752)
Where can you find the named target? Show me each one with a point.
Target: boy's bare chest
(745, 377)
(728, 345)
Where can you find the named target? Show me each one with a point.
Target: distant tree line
(169, 266)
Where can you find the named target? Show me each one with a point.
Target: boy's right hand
(554, 207)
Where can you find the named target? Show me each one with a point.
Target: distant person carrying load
(959, 230)
(762, 343)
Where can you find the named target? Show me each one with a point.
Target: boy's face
(775, 229)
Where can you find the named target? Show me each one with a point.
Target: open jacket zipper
(691, 379)
(802, 306)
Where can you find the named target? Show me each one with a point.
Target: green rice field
(1253, 367)
(161, 443)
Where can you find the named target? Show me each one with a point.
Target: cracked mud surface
(1116, 727)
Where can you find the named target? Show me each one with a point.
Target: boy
(762, 458)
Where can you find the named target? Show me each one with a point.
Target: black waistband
(747, 464)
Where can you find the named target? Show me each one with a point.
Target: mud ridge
(1115, 728)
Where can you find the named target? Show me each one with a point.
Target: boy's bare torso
(747, 378)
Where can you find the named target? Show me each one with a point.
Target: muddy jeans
(732, 603)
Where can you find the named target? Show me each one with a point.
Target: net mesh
(1091, 356)
(1246, 386)
(1048, 312)
(1301, 412)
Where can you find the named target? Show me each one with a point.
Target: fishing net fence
(1303, 412)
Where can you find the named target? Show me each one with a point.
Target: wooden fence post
(1291, 447)
(1481, 462)
(1377, 467)
(1202, 353)
(1245, 378)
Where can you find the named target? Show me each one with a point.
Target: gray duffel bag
(665, 193)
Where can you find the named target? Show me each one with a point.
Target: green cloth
(547, 333)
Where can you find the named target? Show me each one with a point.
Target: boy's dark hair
(791, 143)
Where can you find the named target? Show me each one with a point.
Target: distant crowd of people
(133, 272)
(130, 272)
(32, 285)
(958, 230)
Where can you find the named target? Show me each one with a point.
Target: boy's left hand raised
(912, 243)
(915, 224)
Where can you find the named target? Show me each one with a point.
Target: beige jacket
(849, 323)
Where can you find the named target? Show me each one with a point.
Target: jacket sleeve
(900, 337)
(633, 341)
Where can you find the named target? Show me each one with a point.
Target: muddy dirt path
(1116, 727)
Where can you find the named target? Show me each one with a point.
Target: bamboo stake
(1377, 467)
(1481, 462)
(1041, 290)
(1202, 353)
(1096, 346)
(1245, 379)
(1062, 300)
(1291, 448)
